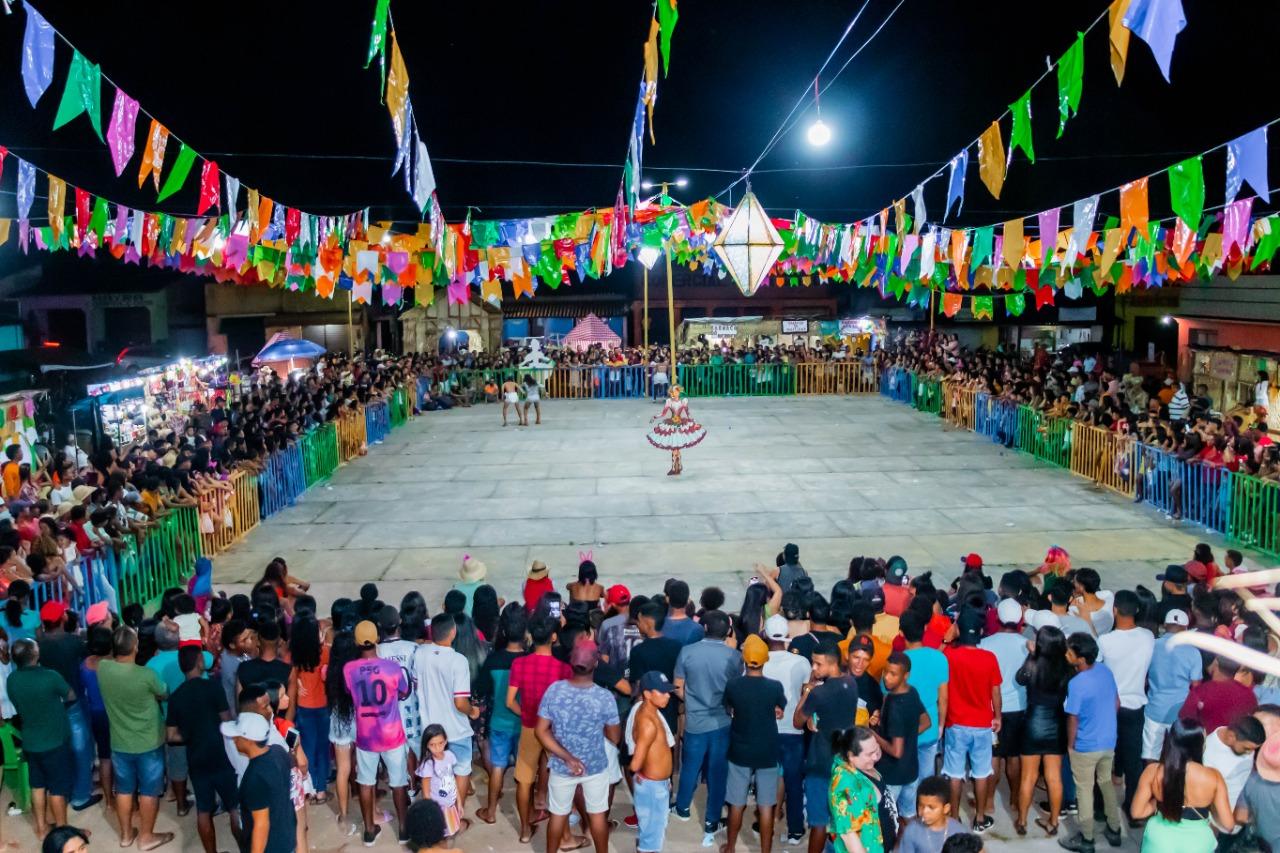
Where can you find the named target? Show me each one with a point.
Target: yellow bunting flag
(4, 230)
(1119, 38)
(57, 204)
(991, 162)
(397, 90)
(1111, 249)
(1014, 244)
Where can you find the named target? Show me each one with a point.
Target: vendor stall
(158, 398)
(285, 354)
(18, 422)
(591, 331)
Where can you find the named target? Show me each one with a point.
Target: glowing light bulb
(819, 134)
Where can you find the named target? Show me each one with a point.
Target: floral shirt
(854, 804)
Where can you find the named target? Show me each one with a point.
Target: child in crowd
(438, 782)
(537, 584)
(933, 824)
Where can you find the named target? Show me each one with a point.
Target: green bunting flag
(1186, 191)
(178, 175)
(82, 94)
(983, 306)
(1269, 243)
(98, 221)
(1015, 304)
(982, 243)
(668, 14)
(1020, 137)
(378, 37)
(1070, 82)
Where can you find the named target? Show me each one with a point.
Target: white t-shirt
(401, 651)
(629, 730)
(442, 675)
(188, 626)
(791, 671)
(1127, 654)
(1235, 769)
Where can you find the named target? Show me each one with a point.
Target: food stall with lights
(157, 398)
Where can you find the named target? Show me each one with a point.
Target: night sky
(277, 93)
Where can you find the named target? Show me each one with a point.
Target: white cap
(1177, 617)
(1044, 619)
(248, 725)
(1009, 612)
(776, 628)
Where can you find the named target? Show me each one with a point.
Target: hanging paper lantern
(748, 245)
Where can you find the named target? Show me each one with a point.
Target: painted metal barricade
(92, 579)
(226, 516)
(996, 418)
(320, 452)
(958, 404)
(835, 377)
(896, 384)
(1105, 457)
(351, 434)
(927, 395)
(1047, 439)
(737, 380)
(598, 382)
(377, 421)
(1253, 512)
(400, 407)
(1184, 489)
(164, 558)
(282, 482)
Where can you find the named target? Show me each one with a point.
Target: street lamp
(819, 134)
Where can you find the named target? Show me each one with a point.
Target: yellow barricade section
(1107, 458)
(352, 436)
(835, 377)
(228, 514)
(958, 404)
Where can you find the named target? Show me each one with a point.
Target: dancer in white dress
(675, 429)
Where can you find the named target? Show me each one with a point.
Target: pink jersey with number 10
(376, 686)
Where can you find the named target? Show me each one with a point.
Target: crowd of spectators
(817, 718)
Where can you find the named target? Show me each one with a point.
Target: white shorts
(612, 770)
(595, 792)
(395, 760)
(1153, 738)
(511, 397)
(342, 733)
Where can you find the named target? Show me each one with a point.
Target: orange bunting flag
(1184, 240)
(991, 162)
(57, 206)
(651, 73)
(952, 303)
(1133, 206)
(522, 280)
(397, 90)
(1015, 245)
(153, 154)
(1119, 38)
(264, 211)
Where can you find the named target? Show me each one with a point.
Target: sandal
(1020, 827)
(1050, 829)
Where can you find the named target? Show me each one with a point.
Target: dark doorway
(67, 327)
(127, 327)
(245, 336)
(1154, 335)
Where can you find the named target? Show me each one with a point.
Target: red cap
(618, 595)
(53, 611)
(973, 561)
(1196, 570)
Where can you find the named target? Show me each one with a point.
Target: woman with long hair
(485, 611)
(310, 655)
(1178, 793)
(586, 588)
(762, 599)
(342, 721)
(414, 617)
(857, 802)
(1045, 674)
(19, 622)
(468, 643)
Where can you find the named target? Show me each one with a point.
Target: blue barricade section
(377, 419)
(283, 481)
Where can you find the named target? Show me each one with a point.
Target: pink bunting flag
(1048, 222)
(236, 251)
(120, 233)
(1235, 225)
(391, 294)
(397, 261)
(459, 291)
(120, 132)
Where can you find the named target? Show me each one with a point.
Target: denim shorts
(651, 799)
(817, 809)
(502, 748)
(966, 750)
(140, 773)
(395, 760)
(462, 751)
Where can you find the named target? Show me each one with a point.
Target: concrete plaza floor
(838, 476)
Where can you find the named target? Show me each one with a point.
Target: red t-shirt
(969, 698)
(531, 675)
(1218, 703)
(896, 598)
(83, 542)
(935, 633)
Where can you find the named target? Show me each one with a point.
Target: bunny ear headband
(583, 556)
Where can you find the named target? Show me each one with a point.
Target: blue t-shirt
(165, 664)
(1169, 678)
(1092, 698)
(28, 622)
(686, 631)
(578, 716)
(929, 671)
(1010, 650)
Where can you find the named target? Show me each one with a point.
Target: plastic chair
(14, 766)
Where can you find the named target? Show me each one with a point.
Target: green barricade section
(737, 380)
(163, 559)
(1047, 439)
(1253, 512)
(320, 453)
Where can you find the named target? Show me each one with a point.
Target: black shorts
(101, 734)
(1009, 745)
(52, 770)
(211, 787)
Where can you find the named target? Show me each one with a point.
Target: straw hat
(538, 570)
(472, 570)
(80, 494)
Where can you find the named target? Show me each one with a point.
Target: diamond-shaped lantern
(748, 245)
